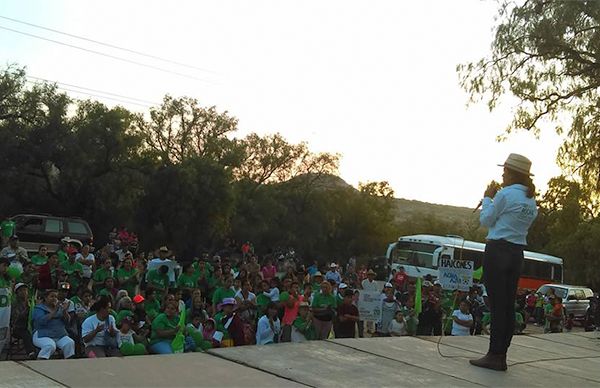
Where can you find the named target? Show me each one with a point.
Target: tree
(180, 129)
(546, 53)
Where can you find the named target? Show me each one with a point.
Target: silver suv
(575, 299)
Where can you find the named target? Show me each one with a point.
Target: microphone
(493, 185)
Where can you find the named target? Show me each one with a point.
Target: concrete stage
(369, 362)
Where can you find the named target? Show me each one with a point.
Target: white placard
(455, 274)
(369, 305)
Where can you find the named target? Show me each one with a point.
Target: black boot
(491, 361)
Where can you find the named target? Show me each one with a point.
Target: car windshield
(558, 291)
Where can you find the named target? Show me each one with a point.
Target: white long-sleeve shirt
(509, 215)
(264, 332)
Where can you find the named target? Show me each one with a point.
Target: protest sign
(369, 305)
(455, 274)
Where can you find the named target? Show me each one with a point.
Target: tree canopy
(546, 53)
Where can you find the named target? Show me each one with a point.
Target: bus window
(557, 276)
(537, 269)
(417, 254)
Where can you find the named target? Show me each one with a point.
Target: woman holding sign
(508, 213)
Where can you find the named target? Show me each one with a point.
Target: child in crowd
(397, 326)
(126, 339)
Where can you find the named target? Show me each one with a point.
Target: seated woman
(99, 331)
(49, 330)
(164, 329)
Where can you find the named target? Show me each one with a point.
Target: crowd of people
(116, 301)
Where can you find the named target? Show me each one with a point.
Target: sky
(374, 81)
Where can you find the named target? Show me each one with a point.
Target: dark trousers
(501, 271)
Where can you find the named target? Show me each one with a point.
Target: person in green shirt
(102, 273)
(158, 280)
(187, 281)
(262, 300)
(323, 309)
(303, 328)
(124, 308)
(5, 280)
(151, 305)
(127, 277)
(164, 329)
(41, 258)
(63, 256)
(74, 271)
(223, 292)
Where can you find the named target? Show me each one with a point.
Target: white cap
(388, 285)
(342, 286)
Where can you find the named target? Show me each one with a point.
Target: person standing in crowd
(291, 302)
(303, 329)
(333, 274)
(87, 260)
(323, 306)
(397, 326)
(41, 257)
(229, 323)
(368, 284)
(389, 307)
(14, 252)
(128, 277)
(163, 260)
(508, 213)
(269, 326)
(268, 270)
(49, 331)
(347, 314)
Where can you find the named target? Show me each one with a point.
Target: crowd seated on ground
(115, 301)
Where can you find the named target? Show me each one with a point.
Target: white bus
(419, 255)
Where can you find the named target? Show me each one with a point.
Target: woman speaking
(508, 213)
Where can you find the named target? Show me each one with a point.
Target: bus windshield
(410, 253)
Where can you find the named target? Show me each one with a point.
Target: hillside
(405, 209)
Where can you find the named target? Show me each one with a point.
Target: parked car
(39, 229)
(575, 299)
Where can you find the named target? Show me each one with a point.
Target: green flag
(478, 273)
(178, 343)
(418, 297)
(31, 306)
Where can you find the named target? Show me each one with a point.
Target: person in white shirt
(269, 326)
(462, 320)
(369, 284)
(163, 259)
(397, 326)
(99, 331)
(86, 258)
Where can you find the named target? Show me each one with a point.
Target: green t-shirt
(8, 228)
(158, 280)
(162, 322)
(305, 328)
(187, 281)
(152, 308)
(71, 270)
(63, 257)
(321, 300)
(262, 300)
(220, 326)
(39, 260)
(124, 277)
(101, 275)
(547, 310)
(122, 314)
(222, 293)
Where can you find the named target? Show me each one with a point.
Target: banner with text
(455, 274)
(369, 305)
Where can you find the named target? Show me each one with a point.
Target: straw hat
(518, 163)
(371, 272)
